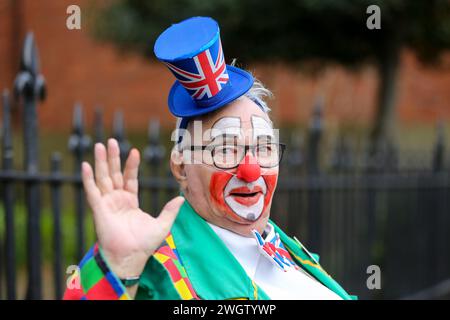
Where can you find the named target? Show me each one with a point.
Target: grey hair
(258, 93)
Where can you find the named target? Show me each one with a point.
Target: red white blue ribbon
(274, 250)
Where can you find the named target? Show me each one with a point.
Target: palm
(127, 228)
(123, 230)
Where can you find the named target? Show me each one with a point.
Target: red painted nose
(248, 170)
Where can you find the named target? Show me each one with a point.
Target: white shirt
(276, 283)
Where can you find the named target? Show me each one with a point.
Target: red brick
(78, 68)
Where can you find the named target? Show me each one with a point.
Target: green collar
(204, 256)
(299, 254)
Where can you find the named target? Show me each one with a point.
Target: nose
(248, 170)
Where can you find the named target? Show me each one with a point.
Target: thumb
(170, 212)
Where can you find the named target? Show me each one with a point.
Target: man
(215, 241)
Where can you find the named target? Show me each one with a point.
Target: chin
(244, 226)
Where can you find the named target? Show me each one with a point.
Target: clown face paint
(261, 128)
(242, 201)
(245, 193)
(229, 126)
(246, 199)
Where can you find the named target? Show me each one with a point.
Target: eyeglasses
(229, 156)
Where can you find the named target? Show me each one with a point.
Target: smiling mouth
(245, 196)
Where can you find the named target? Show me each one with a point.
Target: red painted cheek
(217, 185)
(216, 188)
(271, 183)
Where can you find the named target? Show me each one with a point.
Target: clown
(215, 240)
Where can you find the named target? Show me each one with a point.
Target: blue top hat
(193, 52)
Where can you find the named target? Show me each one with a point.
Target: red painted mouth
(245, 190)
(245, 196)
(218, 183)
(248, 199)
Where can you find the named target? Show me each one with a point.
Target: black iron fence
(354, 209)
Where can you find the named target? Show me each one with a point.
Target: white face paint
(249, 208)
(226, 126)
(244, 199)
(261, 128)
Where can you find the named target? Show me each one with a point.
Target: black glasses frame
(252, 148)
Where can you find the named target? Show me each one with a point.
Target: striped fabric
(95, 280)
(167, 255)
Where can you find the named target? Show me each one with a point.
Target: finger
(93, 194)
(102, 177)
(130, 174)
(114, 164)
(170, 212)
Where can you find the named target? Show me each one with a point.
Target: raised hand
(127, 235)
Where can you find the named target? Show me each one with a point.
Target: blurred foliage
(68, 233)
(290, 30)
(297, 31)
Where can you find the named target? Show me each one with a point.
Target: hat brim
(181, 103)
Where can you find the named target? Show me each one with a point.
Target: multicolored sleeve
(94, 280)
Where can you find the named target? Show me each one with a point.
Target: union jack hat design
(204, 78)
(192, 50)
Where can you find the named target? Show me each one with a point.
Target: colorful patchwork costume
(192, 263)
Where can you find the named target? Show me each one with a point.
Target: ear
(177, 168)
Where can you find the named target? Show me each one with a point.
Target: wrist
(125, 267)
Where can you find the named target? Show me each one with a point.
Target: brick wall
(78, 68)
